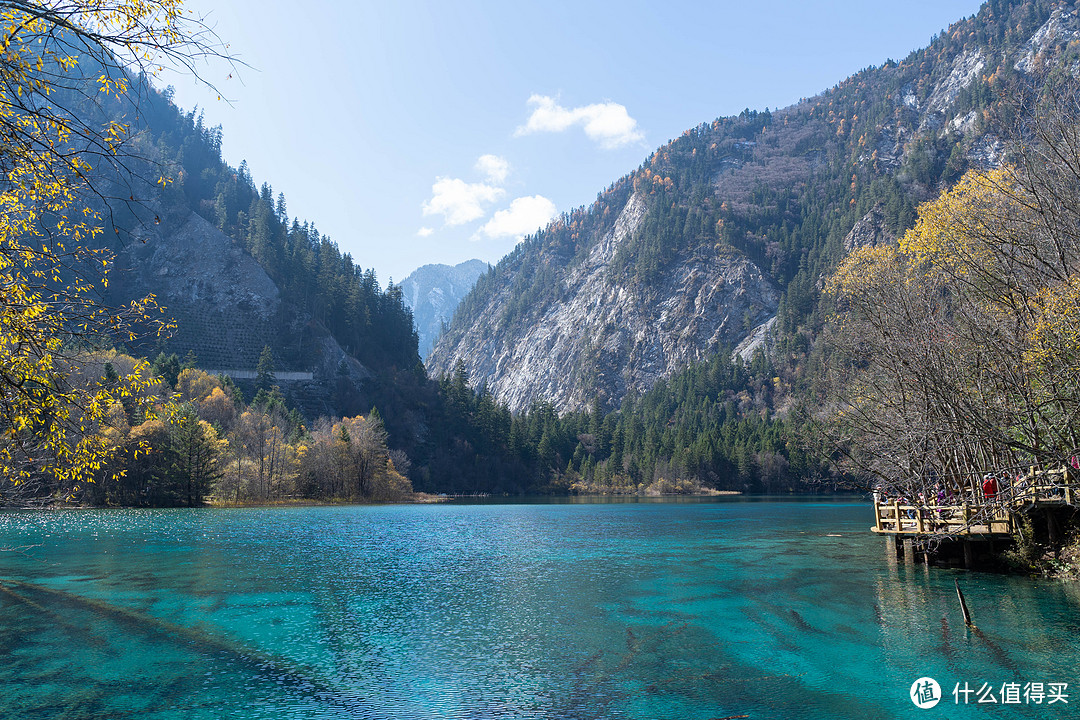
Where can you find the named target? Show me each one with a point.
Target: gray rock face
(1055, 35)
(604, 339)
(869, 231)
(756, 340)
(965, 69)
(226, 309)
(224, 304)
(593, 334)
(433, 292)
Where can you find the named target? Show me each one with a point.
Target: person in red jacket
(989, 487)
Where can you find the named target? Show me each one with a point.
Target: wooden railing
(942, 519)
(974, 513)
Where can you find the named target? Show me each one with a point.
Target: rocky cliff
(224, 304)
(433, 292)
(606, 337)
(226, 309)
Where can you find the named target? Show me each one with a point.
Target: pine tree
(264, 371)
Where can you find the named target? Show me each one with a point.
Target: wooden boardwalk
(973, 514)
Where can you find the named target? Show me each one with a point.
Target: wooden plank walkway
(973, 514)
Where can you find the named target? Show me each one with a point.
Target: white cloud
(458, 201)
(606, 123)
(424, 231)
(525, 215)
(494, 168)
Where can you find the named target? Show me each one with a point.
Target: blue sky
(419, 132)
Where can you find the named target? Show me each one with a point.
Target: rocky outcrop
(606, 338)
(561, 318)
(965, 69)
(1054, 36)
(432, 292)
(226, 309)
(869, 231)
(756, 340)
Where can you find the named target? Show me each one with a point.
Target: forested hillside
(316, 308)
(725, 228)
(313, 276)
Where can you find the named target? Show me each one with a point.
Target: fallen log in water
(963, 605)
(300, 679)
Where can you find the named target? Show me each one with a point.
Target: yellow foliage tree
(1055, 338)
(219, 408)
(49, 425)
(960, 230)
(956, 350)
(194, 385)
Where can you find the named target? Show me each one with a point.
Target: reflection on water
(702, 609)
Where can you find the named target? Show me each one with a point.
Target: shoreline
(420, 498)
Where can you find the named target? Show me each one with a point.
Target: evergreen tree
(264, 371)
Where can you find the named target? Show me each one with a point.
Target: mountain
(648, 308)
(433, 292)
(226, 309)
(235, 273)
(723, 235)
(603, 337)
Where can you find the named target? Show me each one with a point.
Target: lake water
(681, 610)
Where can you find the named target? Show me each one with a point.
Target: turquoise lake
(684, 610)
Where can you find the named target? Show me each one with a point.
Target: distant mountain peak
(433, 292)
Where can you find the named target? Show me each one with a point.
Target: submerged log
(963, 604)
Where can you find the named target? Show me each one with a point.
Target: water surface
(703, 609)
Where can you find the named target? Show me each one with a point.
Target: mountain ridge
(780, 189)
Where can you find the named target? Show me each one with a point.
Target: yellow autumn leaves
(55, 420)
(958, 347)
(975, 236)
(957, 234)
